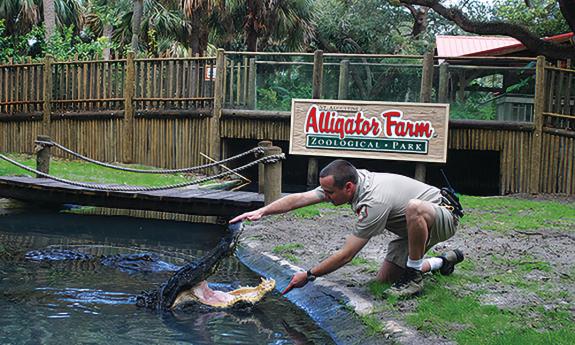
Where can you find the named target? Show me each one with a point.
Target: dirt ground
(324, 234)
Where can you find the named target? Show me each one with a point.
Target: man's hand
(297, 281)
(253, 215)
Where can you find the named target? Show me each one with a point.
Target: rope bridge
(258, 151)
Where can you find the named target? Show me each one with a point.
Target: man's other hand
(253, 215)
(298, 280)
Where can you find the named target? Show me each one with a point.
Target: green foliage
(543, 17)
(281, 86)
(64, 44)
(472, 110)
(6, 49)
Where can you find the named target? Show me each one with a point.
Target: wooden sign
(373, 130)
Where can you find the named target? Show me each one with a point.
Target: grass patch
(465, 320)
(87, 172)
(374, 326)
(368, 266)
(288, 251)
(312, 211)
(507, 214)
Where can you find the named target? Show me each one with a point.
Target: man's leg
(420, 216)
(389, 272)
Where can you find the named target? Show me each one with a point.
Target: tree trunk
(250, 27)
(49, 18)
(137, 23)
(107, 32)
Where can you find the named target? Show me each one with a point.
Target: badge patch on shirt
(362, 213)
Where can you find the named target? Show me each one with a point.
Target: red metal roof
(484, 45)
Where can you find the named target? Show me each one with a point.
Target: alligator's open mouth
(202, 293)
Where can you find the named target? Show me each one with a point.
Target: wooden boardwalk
(188, 201)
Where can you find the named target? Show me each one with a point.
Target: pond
(85, 302)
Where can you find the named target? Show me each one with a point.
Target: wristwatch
(310, 276)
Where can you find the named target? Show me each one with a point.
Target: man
(416, 212)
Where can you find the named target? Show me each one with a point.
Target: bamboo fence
(165, 112)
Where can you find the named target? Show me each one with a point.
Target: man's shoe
(410, 284)
(450, 259)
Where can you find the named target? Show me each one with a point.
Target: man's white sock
(416, 264)
(435, 263)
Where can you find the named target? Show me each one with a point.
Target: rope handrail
(265, 160)
(257, 150)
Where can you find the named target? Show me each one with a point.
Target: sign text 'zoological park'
(402, 131)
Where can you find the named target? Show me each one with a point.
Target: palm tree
(274, 23)
(21, 15)
(49, 18)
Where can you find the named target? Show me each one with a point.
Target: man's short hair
(342, 172)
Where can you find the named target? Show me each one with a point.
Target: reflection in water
(85, 301)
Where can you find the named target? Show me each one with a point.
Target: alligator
(188, 285)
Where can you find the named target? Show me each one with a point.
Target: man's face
(337, 196)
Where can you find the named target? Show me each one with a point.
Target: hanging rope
(256, 150)
(265, 160)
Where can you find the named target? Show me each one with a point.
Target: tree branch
(567, 8)
(530, 40)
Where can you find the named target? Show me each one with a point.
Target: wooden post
(214, 137)
(343, 79)
(443, 82)
(426, 78)
(47, 81)
(317, 77)
(536, 142)
(317, 84)
(129, 90)
(252, 84)
(425, 97)
(43, 155)
(273, 176)
(261, 167)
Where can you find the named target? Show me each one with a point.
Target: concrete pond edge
(326, 303)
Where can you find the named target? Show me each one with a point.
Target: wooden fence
(165, 112)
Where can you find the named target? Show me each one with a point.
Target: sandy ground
(324, 234)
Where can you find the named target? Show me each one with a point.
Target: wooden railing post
(443, 82)
(129, 90)
(272, 176)
(43, 155)
(317, 84)
(261, 167)
(47, 84)
(214, 137)
(343, 79)
(425, 97)
(536, 142)
(252, 84)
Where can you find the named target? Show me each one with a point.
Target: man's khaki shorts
(442, 229)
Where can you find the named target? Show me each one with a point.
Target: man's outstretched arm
(285, 204)
(352, 246)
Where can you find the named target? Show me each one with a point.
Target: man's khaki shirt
(380, 201)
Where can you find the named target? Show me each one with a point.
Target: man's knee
(416, 209)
